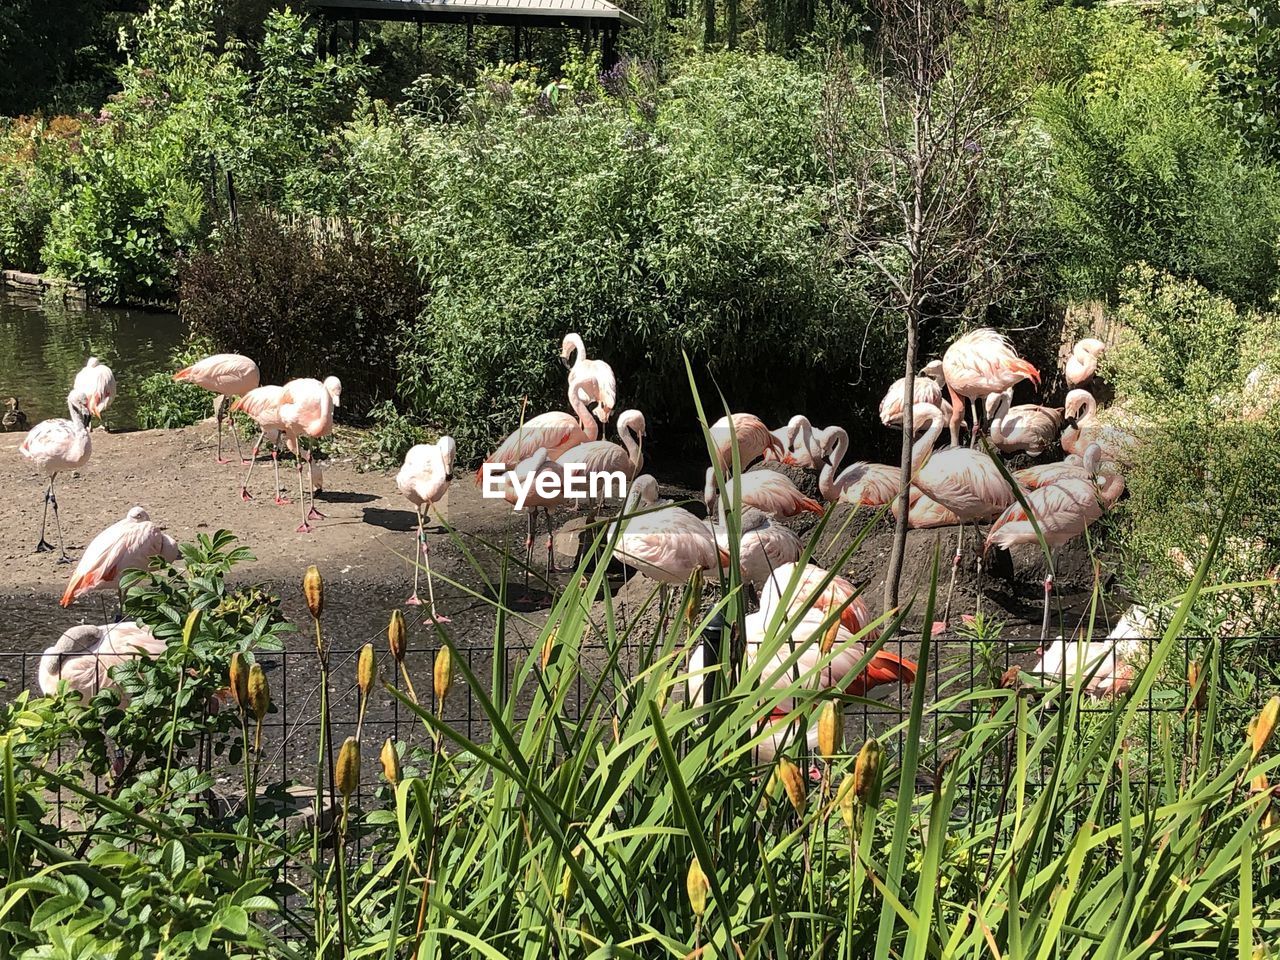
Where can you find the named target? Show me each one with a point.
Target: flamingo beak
(564, 362)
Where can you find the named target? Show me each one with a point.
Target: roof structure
(594, 14)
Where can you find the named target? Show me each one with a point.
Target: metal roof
(595, 13)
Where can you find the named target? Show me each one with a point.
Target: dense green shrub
(653, 220)
(36, 158)
(304, 299)
(1208, 431)
(1145, 169)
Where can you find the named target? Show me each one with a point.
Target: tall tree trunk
(732, 26)
(897, 557)
(709, 30)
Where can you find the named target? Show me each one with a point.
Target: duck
(14, 418)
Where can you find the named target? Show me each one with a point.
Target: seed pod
(845, 796)
(1199, 693)
(829, 638)
(366, 669)
(397, 636)
(866, 770)
(391, 762)
(313, 591)
(239, 677)
(347, 774)
(695, 598)
(548, 647)
(697, 886)
(443, 674)
(793, 782)
(259, 692)
(830, 730)
(1265, 724)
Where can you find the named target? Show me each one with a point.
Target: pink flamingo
(1026, 428)
(262, 405)
(424, 479)
(530, 470)
(227, 375)
(84, 656)
(1041, 474)
(56, 445)
(927, 387)
(591, 380)
(753, 439)
(800, 440)
(770, 492)
(1083, 362)
(125, 545)
(872, 484)
(978, 363)
(556, 432)
(924, 513)
(1063, 510)
(665, 544)
(96, 381)
(1104, 665)
(803, 627)
(1114, 433)
(306, 412)
(604, 456)
(763, 546)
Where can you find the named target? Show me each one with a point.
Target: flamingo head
(572, 343)
(933, 369)
(138, 514)
(447, 449)
(334, 386)
(79, 403)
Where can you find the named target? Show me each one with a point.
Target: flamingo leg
(236, 436)
(977, 610)
(431, 590)
(313, 513)
(1048, 593)
(551, 546)
(244, 487)
(528, 552)
(955, 566)
(413, 600)
(42, 544)
(304, 527)
(275, 462)
(219, 404)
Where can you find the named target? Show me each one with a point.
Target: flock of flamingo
(969, 388)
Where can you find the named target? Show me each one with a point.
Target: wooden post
(609, 47)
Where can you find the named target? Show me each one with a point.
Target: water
(43, 344)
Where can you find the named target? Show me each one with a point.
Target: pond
(43, 343)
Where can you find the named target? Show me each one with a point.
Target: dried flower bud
(695, 598)
(830, 730)
(793, 782)
(829, 638)
(313, 591)
(443, 674)
(1195, 686)
(1011, 679)
(391, 762)
(866, 770)
(259, 692)
(366, 669)
(1259, 784)
(548, 647)
(845, 796)
(1265, 724)
(397, 636)
(239, 677)
(698, 887)
(347, 774)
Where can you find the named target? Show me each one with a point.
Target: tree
(924, 197)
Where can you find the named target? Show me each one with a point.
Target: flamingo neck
(826, 478)
(923, 446)
(631, 443)
(588, 422)
(803, 428)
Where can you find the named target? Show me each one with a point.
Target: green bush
(164, 403)
(653, 220)
(1184, 366)
(36, 162)
(1145, 169)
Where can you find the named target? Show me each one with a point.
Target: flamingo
(1086, 427)
(84, 656)
(556, 432)
(806, 629)
(424, 479)
(56, 445)
(872, 484)
(1083, 362)
(591, 380)
(665, 544)
(531, 470)
(807, 454)
(1063, 510)
(769, 492)
(1026, 428)
(924, 512)
(96, 381)
(262, 405)
(978, 363)
(763, 546)
(125, 545)
(966, 482)
(306, 412)
(1104, 665)
(1041, 474)
(754, 440)
(604, 456)
(227, 375)
(928, 387)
